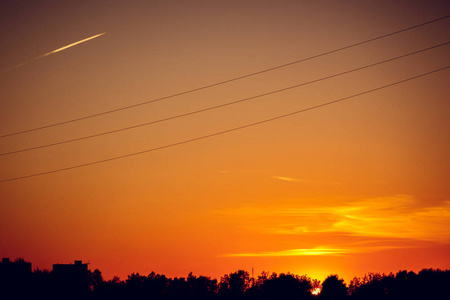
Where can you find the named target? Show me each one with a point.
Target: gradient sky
(359, 186)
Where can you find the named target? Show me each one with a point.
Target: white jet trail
(54, 51)
(73, 44)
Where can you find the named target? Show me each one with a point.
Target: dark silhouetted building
(15, 278)
(71, 279)
(71, 270)
(19, 267)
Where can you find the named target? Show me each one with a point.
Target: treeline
(44, 284)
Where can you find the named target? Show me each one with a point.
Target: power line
(221, 105)
(225, 81)
(225, 131)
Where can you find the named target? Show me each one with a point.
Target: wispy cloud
(292, 252)
(399, 216)
(315, 251)
(290, 179)
(286, 178)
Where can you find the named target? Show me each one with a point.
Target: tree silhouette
(333, 288)
(19, 282)
(111, 289)
(201, 287)
(427, 284)
(434, 284)
(95, 279)
(372, 286)
(234, 284)
(42, 284)
(284, 286)
(152, 286)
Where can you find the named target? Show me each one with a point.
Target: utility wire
(225, 81)
(222, 105)
(225, 131)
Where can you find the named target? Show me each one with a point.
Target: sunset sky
(358, 186)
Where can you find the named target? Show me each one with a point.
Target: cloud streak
(293, 252)
(316, 251)
(397, 217)
(290, 179)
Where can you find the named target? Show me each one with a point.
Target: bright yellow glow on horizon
(293, 252)
(316, 291)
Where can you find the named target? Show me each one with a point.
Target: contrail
(73, 44)
(15, 67)
(54, 51)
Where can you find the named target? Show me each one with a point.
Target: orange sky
(355, 187)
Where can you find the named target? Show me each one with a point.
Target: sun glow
(316, 291)
(292, 252)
